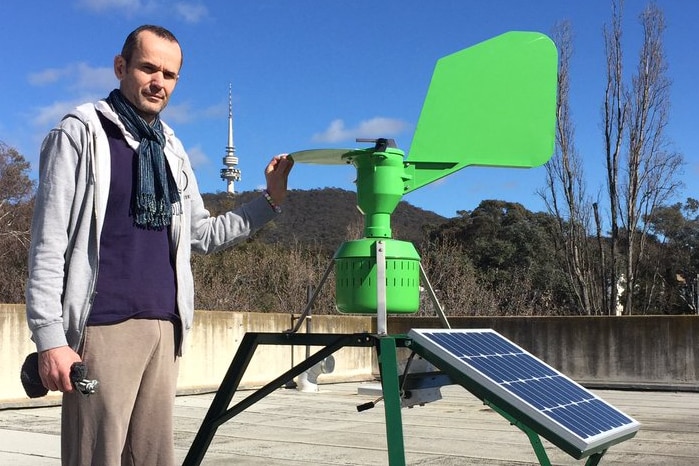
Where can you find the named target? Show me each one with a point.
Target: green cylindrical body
(355, 277)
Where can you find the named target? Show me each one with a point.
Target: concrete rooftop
(291, 428)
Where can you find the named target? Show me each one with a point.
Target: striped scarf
(155, 190)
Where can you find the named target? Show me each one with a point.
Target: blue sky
(312, 74)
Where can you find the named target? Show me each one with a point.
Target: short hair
(132, 39)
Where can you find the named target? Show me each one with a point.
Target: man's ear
(119, 67)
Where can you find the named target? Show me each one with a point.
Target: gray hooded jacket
(71, 200)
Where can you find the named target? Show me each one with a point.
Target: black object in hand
(35, 389)
(30, 377)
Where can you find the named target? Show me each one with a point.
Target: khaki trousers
(129, 420)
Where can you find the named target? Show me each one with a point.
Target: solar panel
(553, 405)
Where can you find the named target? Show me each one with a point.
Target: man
(117, 214)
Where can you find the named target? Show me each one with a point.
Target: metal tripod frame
(386, 348)
(393, 384)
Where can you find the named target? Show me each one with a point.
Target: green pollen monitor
(492, 104)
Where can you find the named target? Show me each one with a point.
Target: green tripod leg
(534, 439)
(388, 366)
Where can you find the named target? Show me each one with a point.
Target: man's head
(148, 69)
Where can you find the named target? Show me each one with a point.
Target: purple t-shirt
(136, 275)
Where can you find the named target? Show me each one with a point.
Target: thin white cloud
(51, 114)
(214, 111)
(86, 83)
(191, 12)
(88, 77)
(47, 76)
(336, 132)
(184, 113)
(77, 76)
(197, 156)
(180, 113)
(380, 127)
(101, 5)
(377, 127)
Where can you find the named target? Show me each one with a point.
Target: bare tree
(564, 194)
(615, 115)
(651, 165)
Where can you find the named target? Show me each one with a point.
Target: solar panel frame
(571, 423)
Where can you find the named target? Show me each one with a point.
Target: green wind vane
(493, 104)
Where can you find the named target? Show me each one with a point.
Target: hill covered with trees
(326, 217)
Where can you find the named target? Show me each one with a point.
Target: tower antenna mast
(230, 173)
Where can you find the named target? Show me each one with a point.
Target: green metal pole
(391, 397)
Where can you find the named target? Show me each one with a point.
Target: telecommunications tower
(230, 174)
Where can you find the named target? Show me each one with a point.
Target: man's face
(149, 78)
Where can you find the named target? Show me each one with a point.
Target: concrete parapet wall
(654, 352)
(217, 334)
(636, 352)
(208, 351)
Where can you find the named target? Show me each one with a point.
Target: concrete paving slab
(292, 428)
